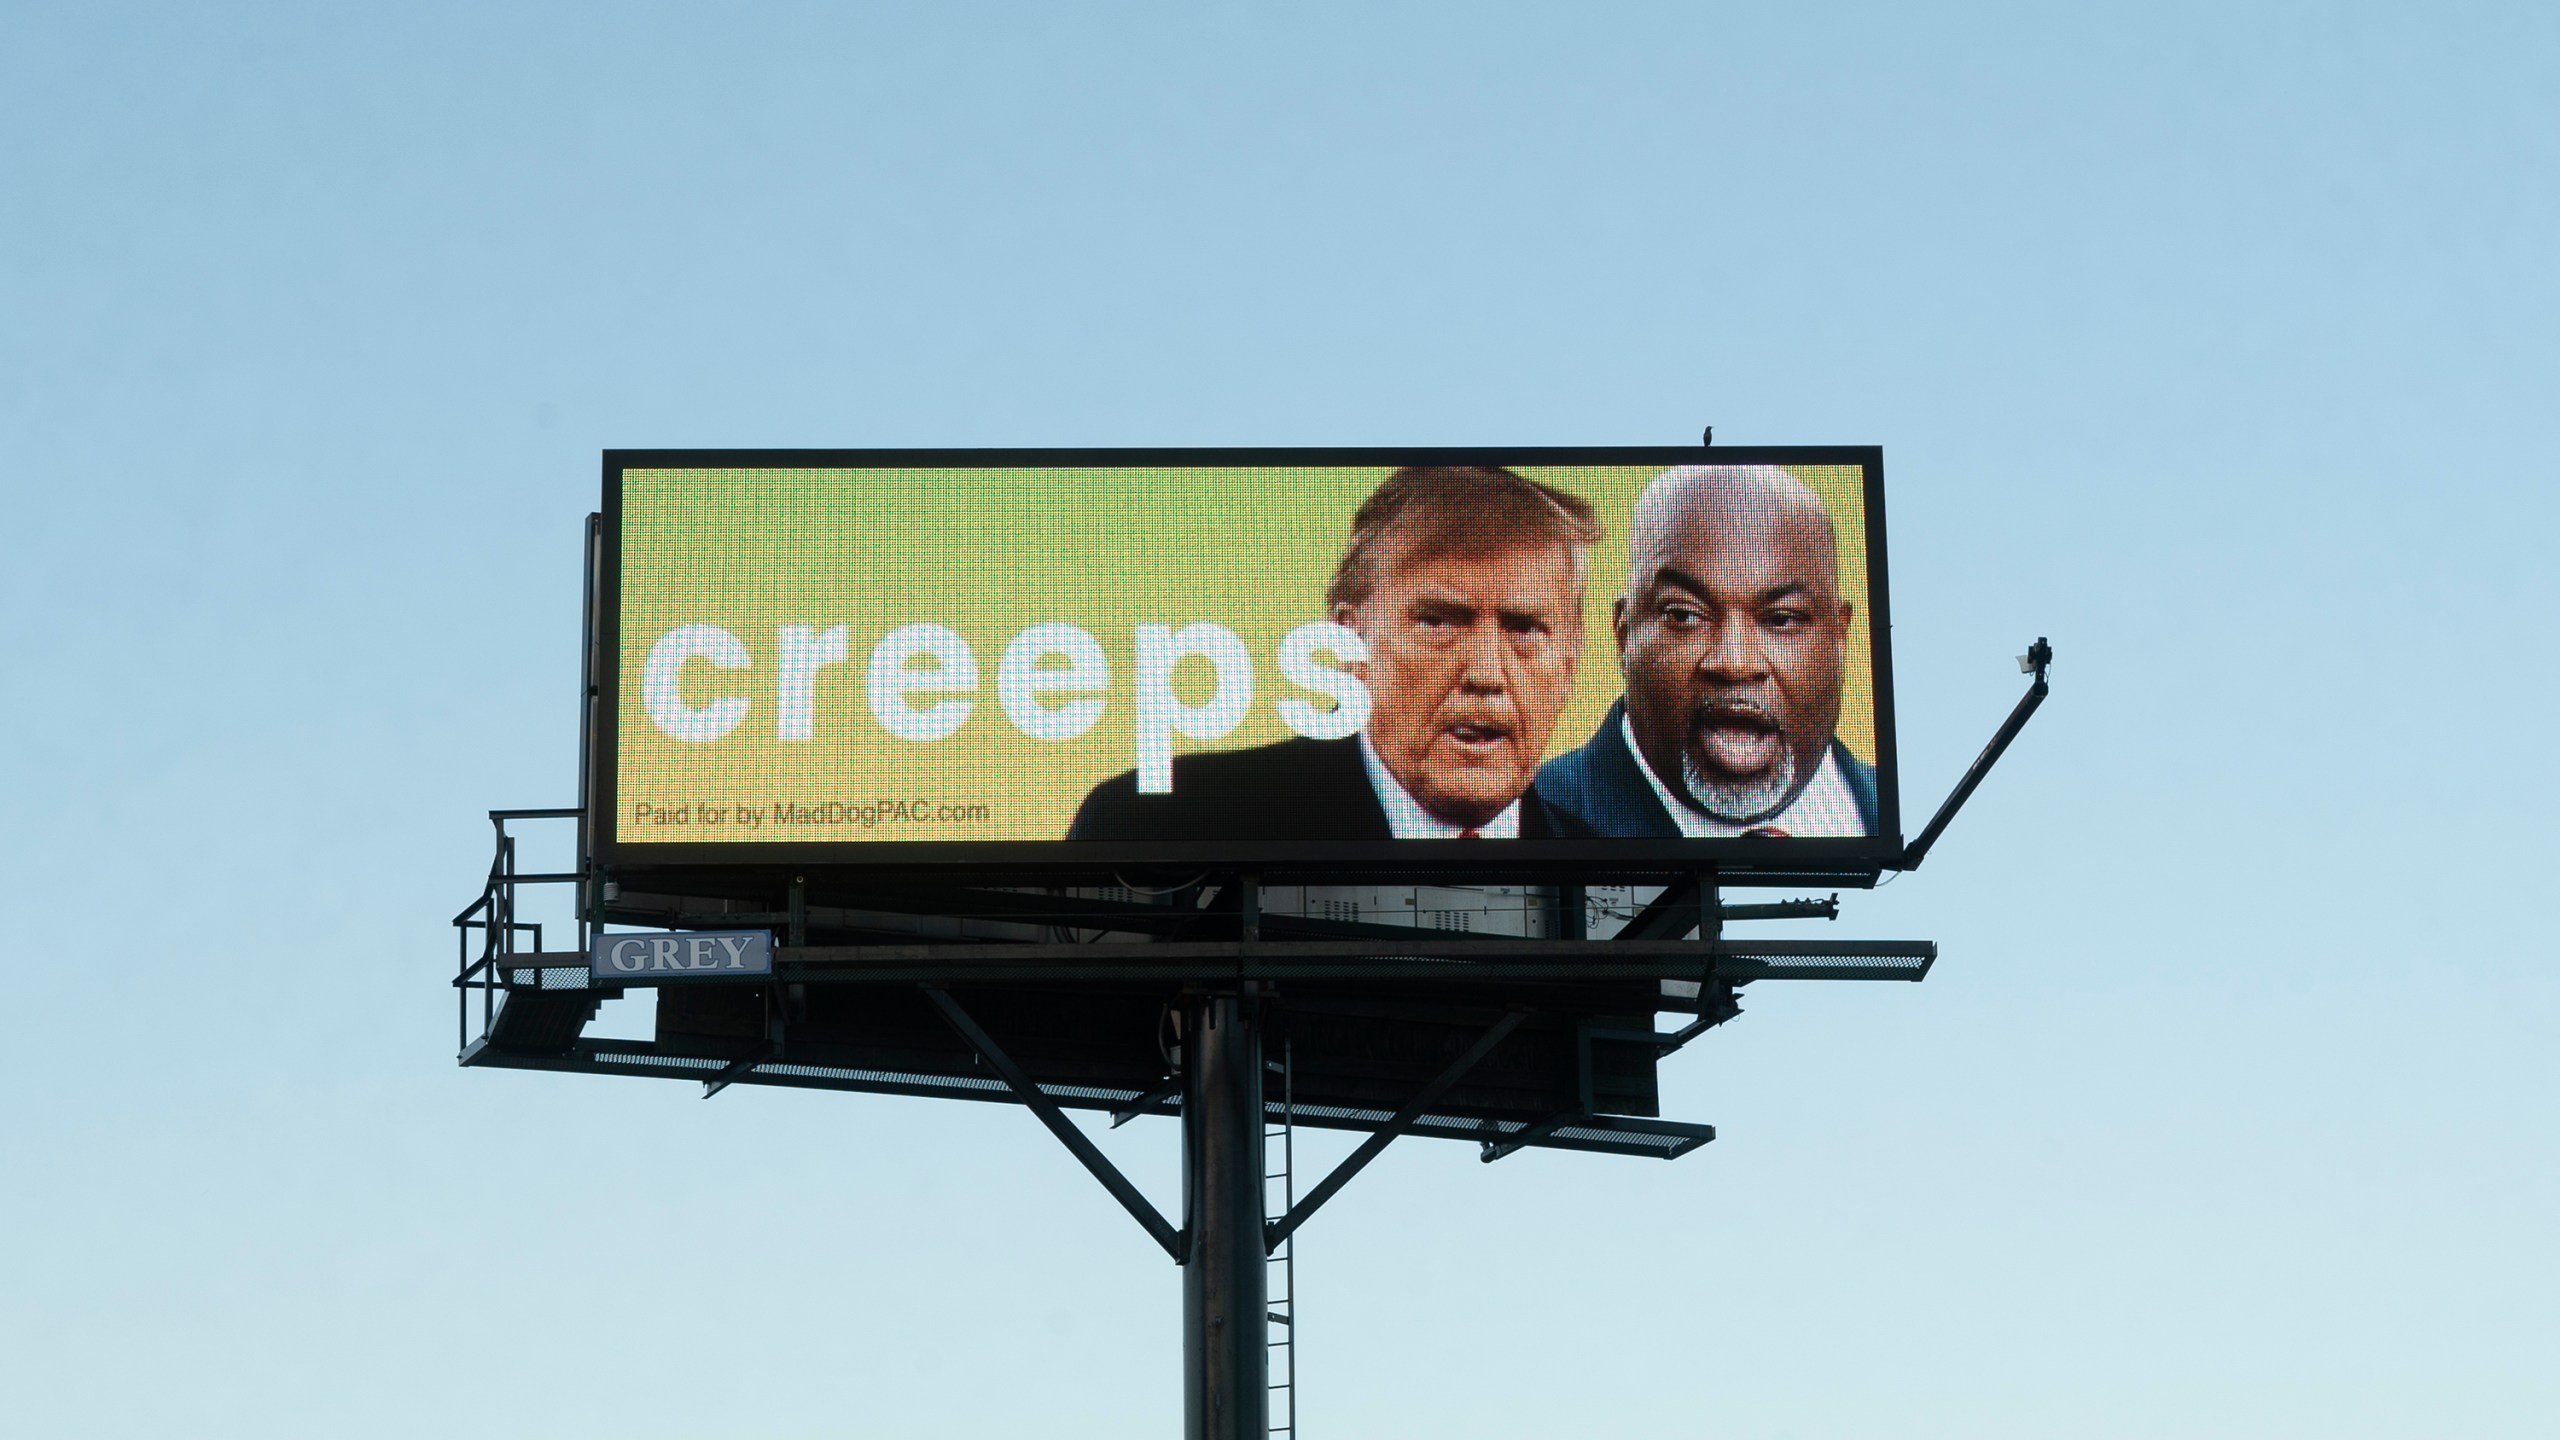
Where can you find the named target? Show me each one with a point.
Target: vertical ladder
(1279, 1147)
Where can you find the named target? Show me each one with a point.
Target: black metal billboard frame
(535, 1002)
(1745, 860)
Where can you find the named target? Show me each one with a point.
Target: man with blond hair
(1464, 585)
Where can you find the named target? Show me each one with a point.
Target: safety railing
(492, 921)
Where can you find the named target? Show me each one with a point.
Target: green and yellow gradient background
(990, 552)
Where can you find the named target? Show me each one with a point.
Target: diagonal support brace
(1059, 1125)
(1527, 1136)
(1164, 1090)
(739, 1069)
(775, 1012)
(1280, 1229)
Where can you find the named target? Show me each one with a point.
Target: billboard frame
(1736, 861)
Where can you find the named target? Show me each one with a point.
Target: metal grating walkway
(1604, 1134)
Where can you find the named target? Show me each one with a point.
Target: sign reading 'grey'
(683, 955)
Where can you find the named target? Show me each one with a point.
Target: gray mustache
(1737, 707)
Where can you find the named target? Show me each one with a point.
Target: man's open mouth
(1737, 740)
(1478, 734)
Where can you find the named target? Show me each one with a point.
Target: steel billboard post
(1225, 1365)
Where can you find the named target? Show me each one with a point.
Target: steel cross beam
(1059, 1125)
(1279, 1230)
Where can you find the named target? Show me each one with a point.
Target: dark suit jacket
(1601, 786)
(1298, 789)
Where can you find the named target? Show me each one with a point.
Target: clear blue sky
(2216, 342)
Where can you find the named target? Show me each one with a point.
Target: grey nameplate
(682, 955)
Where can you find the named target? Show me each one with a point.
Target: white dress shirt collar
(1406, 818)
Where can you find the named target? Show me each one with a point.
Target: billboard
(1612, 656)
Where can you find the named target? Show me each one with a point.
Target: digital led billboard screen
(1251, 657)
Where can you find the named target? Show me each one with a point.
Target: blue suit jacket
(1600, 785)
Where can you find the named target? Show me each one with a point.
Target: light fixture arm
(2037, 660)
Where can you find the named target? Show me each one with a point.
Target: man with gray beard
(1733, 636)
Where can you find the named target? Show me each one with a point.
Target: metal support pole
(1225, 1363)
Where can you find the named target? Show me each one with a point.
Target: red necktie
(1764, 832)
(1471, 833)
